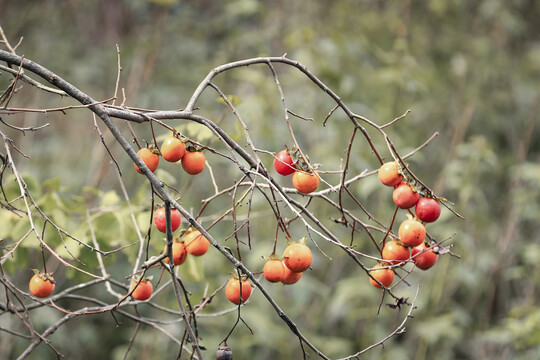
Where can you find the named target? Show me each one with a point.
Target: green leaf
(235, 100)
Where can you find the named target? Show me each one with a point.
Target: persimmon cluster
(304, 179)
(287, 270)
(173, 149)
(411, 243)
(190, 242)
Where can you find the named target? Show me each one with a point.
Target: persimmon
(273, 269)
(41, 284)
(404, 196)
(150, 158)
(235, 287)
(196, 244)
(283, 163)
(411, 232)
(173, 149)
(161, 222)
(193, 162)
(394, 252)
(385, 275)
(305, 182)
(143, 290)
(290, 277)
(423, 256)
(297, 256)
(428, 209)
(389, 174)
(179, 253)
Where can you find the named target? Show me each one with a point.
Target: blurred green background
(469, 70)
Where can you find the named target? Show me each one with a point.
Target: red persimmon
(428, 209)
(283, 163)
(404, 196)
(161, 223)
(423, 256)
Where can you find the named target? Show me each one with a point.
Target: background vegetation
(467, 70)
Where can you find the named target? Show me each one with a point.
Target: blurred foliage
(468, 70)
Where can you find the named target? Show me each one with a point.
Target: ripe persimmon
(394, 252)
(41, 284)
(305, 182)
(290, 277)
(173, 149)
(196, 244)
(297, 256)
(411, 232)
(143, 290)
(150, 158)
(238, 291)
(428, 209)
(193, 162)
(283, 163)
(385, 275)
(404, 196)
(179, 253)
(423, 256)
(161, 222)
(273, 269)
(389, 174)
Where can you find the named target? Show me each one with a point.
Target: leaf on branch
(235, 100)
